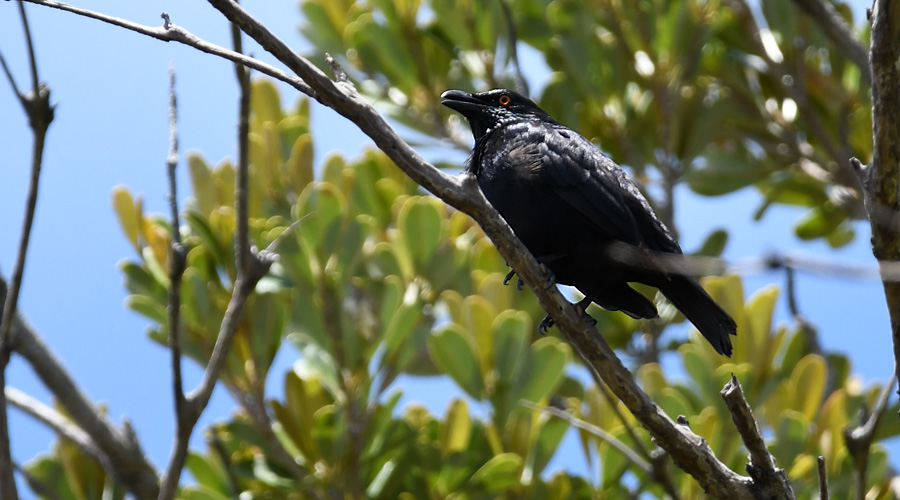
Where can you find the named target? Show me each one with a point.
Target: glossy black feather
(569, 203)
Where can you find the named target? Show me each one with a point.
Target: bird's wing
(598, 188)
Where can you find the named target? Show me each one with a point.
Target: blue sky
(110, 87)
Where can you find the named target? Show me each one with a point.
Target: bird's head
(494, 108)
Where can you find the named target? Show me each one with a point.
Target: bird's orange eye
(504, 100)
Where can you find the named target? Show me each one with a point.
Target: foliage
(695, 90)
(381, 281)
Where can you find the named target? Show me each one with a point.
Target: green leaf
(819, 222)
(714, 244)
(456, 429)
(510, 335)
(420, 223)
(265, 103)
(128, 216)
(808, 381)
(202, 184)
(315, 361)
(455, 354)
(724, 172)
(499, 473)
(549, 356)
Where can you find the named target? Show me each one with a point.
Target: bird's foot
(581, 307)
(509, 276)
(545, 325)
(550, 276)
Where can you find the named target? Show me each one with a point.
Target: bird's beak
(460, 101)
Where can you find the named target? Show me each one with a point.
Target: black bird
(572, 207)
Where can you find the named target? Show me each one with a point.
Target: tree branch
(841, 34)
(177, 257)
(881, 179)
(687, 449)
(57, 423)
(859, 439)
(36, 105)
(769, 479)
(128, 464)
(823, 478)
(177, 264)
(170, 32)
(251, 267)
(574, 421)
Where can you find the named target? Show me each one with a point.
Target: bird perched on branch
(576, 210)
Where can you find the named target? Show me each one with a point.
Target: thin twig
(809, 331)
(9, 77)
(251, 267)
(823, 478)
(174, 33)
(613, 441)
(840, 33)
(512, 42)
(762, 464)
(61, 425)
(219, 447)
(37, 107)
(177, 258)
(177, 264)
(242, 245)
(859, 439)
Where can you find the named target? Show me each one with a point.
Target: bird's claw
(509, 276)
(550, 276)
(545, 325)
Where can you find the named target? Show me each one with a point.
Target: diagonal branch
(762, 469)
(56, 422)
(613, 441)
(841, 34)
(859, 439)
(173, 33)
(687, 449)
(127, 462)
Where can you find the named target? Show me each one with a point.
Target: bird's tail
(697, 306)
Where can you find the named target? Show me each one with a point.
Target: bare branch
(688, 450)
(840, 33)
(762, 464)
(177, 264)
(56, 422)
(574, 421)
(859, 439)
(177, 257)
(882, 176)
(174, 33)
(250, 269)
(9, 77)
(823, 478)
(37, 106)
(128, 464)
